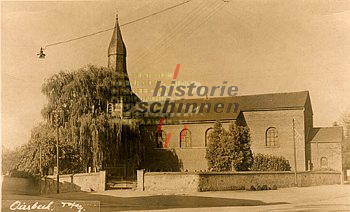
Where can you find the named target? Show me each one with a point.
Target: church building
(281, 124)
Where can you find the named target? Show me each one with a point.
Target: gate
(122, 176)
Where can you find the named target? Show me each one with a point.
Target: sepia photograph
(175, 105)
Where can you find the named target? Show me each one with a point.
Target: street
(319, 198)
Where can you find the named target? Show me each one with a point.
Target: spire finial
(116, 13)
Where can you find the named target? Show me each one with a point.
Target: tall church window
(271, 137)
(207, 134)
(185, 138)
(324, 162)
(161, 138)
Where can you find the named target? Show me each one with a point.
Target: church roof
(272, 101)
(326, 134)
(116, 46)
(267, 101)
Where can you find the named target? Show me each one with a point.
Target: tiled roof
(116, 46)
(245, 103)
(273, 100)
(326, 134)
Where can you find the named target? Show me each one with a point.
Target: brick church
(281, 124)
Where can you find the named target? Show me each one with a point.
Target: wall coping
(172, 173)
(76, 174)
(174, 148)
(241, 173)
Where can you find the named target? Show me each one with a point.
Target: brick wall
(332, 151)
(260, 121)
(197, 133)
(192, 159)
(177, 159)
(189, 158)
(308, 117)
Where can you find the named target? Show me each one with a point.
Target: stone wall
(244, 180)
(209, 181)
(74, 182)
(170, 181)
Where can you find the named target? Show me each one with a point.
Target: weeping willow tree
(43, 144)
(97, 138)
(88, 135)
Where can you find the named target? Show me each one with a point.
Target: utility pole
(57, 123)
(295, 156)
(40, 164)
(59, 120)
(57, 160)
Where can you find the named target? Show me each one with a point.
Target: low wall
(74, 182)
(219, 181)
(179, 181)
(17, 185)
(244, 180)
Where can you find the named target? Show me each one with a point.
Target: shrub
(229, 149)
(21, 174)
(269, 163)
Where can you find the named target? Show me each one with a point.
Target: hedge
(269, 163)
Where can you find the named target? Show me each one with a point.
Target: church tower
(117, 51)
(117, 61)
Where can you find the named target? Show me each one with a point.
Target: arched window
(185, 138)
(324, 162)
(161, 138)
(207, 134)
(271, 137)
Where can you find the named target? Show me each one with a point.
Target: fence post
(103, 181)
(140, 179)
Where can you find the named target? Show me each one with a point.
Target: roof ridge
(327, 127)
(293, 92)
(248, 95)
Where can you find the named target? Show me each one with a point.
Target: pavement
(317, 198)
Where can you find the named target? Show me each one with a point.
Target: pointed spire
(117, 62)
(116, 46)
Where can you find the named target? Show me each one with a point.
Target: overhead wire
(207, 18)
(125, 24)
(164, 48)
(173, 32)
(188, 28)
(184, 26)
(168, 34)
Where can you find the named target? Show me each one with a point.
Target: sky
(259, 46)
